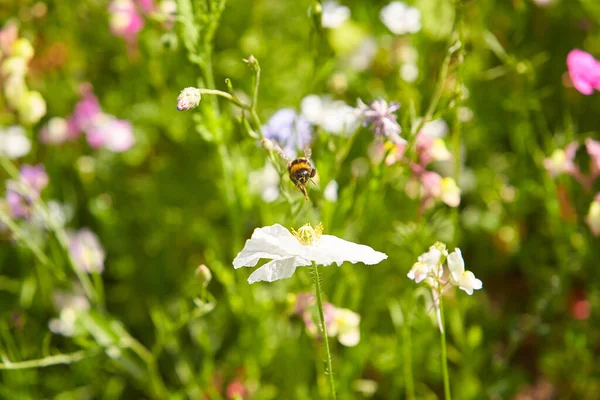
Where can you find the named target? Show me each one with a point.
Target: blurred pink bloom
(101, 130)
(584, 70)
(86, 251)
(593, 148)
(19, 199)
(431, 149)
(8, 35)
(110, 133)
(562, 161)
(236, 390)
(125, 19)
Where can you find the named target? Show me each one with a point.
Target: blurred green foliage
(182, 197)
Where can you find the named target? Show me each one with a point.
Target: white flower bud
(188, 98)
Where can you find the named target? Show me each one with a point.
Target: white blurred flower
(288, 251)
(450, 192)
(266, 182)
(593, 216)
(13, 142)
(428, 264)
(362, 57)
(348, 331)
(86, 251)
(14, 89)
(409, 72)
(438, 128)
(335, 117)
(70, 307)
(465, 280)
(32, 107)
(56, 131)
(400, 18)
(334, 14)
(419, 272)
(14, 66)
(331, 191)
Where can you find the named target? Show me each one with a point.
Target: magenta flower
(125, 19)
(111, 133)
(593, 148)
(584, 70)
(101, 130)
(20, 195)
(382, 119)
(86, 251)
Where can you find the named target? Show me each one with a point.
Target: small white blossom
(450, 192)
(335, 117)
(436, 129)
(348, 331)
(13, 142)
(465, 280)
(331, 191)
(288, 251)
(362, 58)
(32, 107)
(334, 14)
(266, 182)
(593, 216)
(409, 72)
(419, 272)
(400, 18)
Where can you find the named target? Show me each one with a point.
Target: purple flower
(382, 119)
(584, 70)
(20, 195)
(291, 131)
(86, 251)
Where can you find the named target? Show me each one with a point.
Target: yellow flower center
(307, 235)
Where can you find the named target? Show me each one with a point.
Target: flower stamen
(307, 235)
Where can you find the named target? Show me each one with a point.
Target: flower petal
(271, 242)
(275, 270)
(456, 264)
(332, 249)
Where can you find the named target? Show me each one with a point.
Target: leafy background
(181, 197)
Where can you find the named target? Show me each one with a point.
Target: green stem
(323, 328)
(407, 355)
(226, 95)
(48, 361)
(444, 353)
(458, 92)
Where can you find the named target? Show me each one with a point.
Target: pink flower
(125, 20)
(584, 70)
(86, 251)
(19, 200)
(86, 112)
(562, 161)
(110, 133)
(593, 148)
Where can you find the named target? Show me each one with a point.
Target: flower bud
(23, 48)
(188, 98)
(204, 275)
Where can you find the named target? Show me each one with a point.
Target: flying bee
(300, 170)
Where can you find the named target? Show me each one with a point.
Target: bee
(300, 170)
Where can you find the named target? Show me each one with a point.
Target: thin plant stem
(407, 355)
(48, 361)
(323, 328)
(444, 353)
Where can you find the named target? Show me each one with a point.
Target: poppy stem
(323, 327)
(447, 395)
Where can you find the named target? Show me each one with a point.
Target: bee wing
(307, 152)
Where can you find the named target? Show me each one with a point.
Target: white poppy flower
(288, 251)
(465, 280)
(13, 142)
